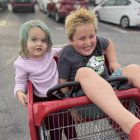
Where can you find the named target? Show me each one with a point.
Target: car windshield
(23, 1)
(138, 1)
(109, 3)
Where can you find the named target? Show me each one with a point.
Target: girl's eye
(34, 39)
(44, 41)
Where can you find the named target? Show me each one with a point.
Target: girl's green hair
(24, 31)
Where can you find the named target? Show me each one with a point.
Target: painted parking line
(120, 30)
(9, 61)
(134, 31)
(3, 21)
(59, 28)
(126, 31)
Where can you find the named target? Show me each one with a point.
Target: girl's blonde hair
(23, 35)
(78, 17)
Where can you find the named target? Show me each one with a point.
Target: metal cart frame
(38, 111)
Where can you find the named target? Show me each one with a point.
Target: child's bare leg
(132, 72)
(101, 93)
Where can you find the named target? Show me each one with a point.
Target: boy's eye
(92, 36)
(82, 38)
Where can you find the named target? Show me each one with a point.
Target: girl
(36, 63)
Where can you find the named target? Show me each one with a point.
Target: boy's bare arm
(111, 57)
(61, 81)
(76, 117)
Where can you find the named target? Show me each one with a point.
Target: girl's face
(84, 39)
(37, 44)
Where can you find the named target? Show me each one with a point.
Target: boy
(88, 50)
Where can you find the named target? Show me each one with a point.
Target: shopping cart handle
(117, 82)
(57, 92)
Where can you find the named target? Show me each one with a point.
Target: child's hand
(22, 98)
(114, 66)
(76, 117)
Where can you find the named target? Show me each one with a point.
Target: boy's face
(37, 44)
(84, 39)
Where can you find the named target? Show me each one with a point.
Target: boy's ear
(71, 41)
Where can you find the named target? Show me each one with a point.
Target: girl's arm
(110, 54)
(57, 48)
(20, 84)
(22, 98)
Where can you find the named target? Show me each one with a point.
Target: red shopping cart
(95, 125)
(47, 117)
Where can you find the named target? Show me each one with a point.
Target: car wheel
(44, 9)
(14, 10)
(124, 22)
(57, 17)
(33, 10)
(40, 8)
(5, 6)
(48, 14)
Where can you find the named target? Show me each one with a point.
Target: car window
(109, 3)
(55, 0)
(23, 1)
(138, 1)
(122, 2)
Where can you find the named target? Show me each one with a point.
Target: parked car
(43, 5)
(97, 2)
(59, 9)
(23, 5)
(3, 4)
(125, 13)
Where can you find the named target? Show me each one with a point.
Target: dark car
(3, 4)
(59, 9)
(23, 5)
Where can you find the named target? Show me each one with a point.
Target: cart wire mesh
(95, 125)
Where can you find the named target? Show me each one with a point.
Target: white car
(121, 12)
(42, 5)
(97, 2)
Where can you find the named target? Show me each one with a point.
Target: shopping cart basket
(96, 125)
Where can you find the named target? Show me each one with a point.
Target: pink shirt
(42, 73)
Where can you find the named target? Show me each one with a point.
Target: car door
(51, 7)
(106, 12)
(120, 10)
